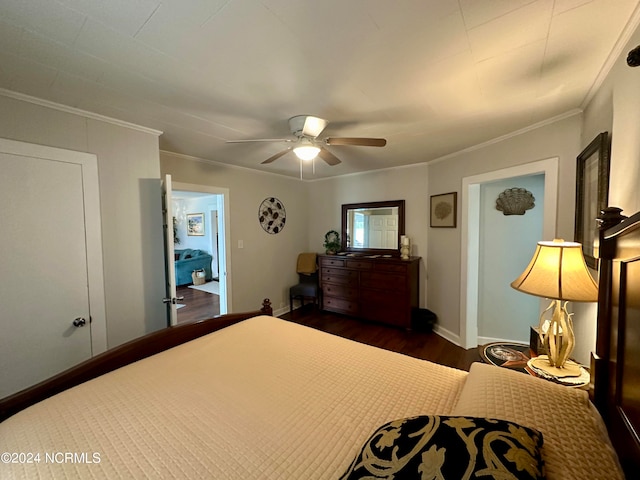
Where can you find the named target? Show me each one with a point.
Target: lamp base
(558, 339)
(570, 368)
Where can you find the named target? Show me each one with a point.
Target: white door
(46, 266)
(169, 252)
(223, 254)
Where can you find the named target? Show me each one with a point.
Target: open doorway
(200, 251)
(474, 223)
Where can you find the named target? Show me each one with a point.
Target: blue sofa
(188, 260)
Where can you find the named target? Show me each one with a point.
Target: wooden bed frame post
(266, 307)
(600, 359)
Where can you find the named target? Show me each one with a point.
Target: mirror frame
(373, 251)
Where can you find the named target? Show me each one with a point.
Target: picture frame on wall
(592, 193)
(444, 210)
(195, 224)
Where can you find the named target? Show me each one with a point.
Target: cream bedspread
(576, 445)
(262, 399)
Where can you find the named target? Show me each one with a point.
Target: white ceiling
(433, 77)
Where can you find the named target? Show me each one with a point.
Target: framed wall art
(195, 224)
(444, 210)
(592, 193)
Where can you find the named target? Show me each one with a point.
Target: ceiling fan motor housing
(314, 125)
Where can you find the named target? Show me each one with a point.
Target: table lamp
(558, 271)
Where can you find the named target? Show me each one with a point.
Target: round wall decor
(272, 215)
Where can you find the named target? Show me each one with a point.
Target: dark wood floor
(428, 346)
(199, 305)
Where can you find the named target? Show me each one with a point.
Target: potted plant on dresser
(332, 242)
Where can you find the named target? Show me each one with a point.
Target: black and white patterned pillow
(438, 447)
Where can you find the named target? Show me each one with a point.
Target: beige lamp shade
(558, 270)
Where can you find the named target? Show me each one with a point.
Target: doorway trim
(470, 242)
(224, 263)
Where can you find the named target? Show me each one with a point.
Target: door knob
(79, 322)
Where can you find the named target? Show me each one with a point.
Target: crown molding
(225, 165)
(76, 111)
(535, 126)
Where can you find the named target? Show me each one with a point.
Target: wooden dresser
(379, 289)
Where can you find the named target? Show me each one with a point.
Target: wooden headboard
(616, 362)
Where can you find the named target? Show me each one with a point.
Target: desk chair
(307, 268)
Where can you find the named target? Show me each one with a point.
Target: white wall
(266, 265)
(559, 139)
(128, 170)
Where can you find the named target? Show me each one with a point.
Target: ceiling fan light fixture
(306, 152)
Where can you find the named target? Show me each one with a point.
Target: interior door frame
(470, 244)
(224, 240)
(88, 163)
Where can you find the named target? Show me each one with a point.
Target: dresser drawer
(391, 267)
(332, 262)
(382, 297)
(359, 264)
(340, 291)
(384, 281)
(327, 271)
(340, 305)
(351, 280)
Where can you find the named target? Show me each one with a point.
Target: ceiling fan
(306, 145)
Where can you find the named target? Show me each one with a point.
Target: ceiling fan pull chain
(300, 169)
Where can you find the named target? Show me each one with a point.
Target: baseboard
(446, 334)
(280, 311)
(485, 340)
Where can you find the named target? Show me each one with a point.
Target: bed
(252, 396)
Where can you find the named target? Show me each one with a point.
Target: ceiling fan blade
(313, 126)
(277, 156)
(363, 142)
(328, 157)
(261, 140)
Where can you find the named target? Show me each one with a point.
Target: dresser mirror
(373, 227)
